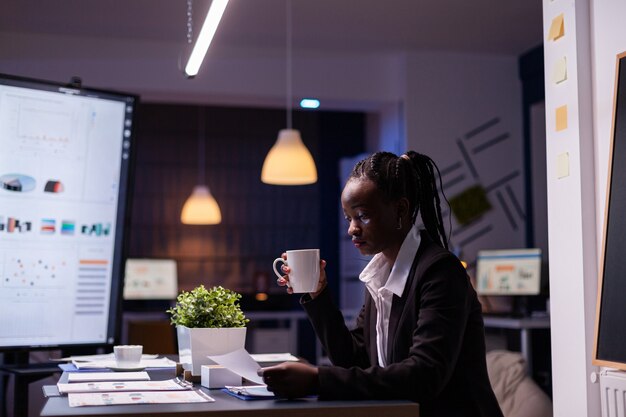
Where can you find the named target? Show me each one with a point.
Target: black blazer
(436, 351)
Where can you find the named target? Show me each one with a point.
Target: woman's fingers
(284, 280)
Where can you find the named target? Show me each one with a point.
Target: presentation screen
(64, 172)
(508, 272)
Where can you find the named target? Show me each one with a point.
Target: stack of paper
(107, 388)
(119, 386)
(143, 397)
(107, 376)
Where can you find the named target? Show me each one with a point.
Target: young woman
(419, 335)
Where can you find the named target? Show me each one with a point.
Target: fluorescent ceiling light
(206, 36)
(309, 103)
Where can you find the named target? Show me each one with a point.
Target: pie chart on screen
(17, 182)
(53, 186)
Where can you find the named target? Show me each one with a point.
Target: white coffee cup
(128, 356)
(305, 269)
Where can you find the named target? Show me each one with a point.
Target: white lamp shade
(289, 162)
(201, 207)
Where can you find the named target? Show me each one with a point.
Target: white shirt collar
(376, 274)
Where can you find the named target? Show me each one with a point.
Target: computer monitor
(508, 272)
(150, 279)
(64, 185)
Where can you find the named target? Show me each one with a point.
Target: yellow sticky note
(562, 165)
(557, 28)
(561, 118)
(559, 71)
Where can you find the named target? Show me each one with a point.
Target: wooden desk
(228, 406)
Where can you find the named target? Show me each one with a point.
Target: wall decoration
(470, 204)
(492, 190)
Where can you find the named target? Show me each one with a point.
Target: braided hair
(411, 175)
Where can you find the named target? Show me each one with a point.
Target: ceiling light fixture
(212, 20)
(201, 207)
(289, 162)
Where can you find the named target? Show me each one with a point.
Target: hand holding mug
(304, 271)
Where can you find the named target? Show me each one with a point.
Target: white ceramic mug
(128, 356)
(305, 269)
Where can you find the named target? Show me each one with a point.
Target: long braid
(412, 176)
(429, 196)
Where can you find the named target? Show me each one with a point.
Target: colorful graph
(68, 227)
(35, 271)
(17, 182)
(12, 225)
(97, 229)
(53, 186)
(91, 287)
(48, 226)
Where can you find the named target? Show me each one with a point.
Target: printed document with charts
(134, 397)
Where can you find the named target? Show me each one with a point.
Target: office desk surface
(229, 406)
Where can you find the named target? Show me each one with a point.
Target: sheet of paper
(119, 386)
(107, 376)
(145, 397)
(110, 363)
(239, 362)
(274, 357)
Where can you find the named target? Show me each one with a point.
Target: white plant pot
(195, 344)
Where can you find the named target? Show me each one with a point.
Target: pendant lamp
(201, 207)
(289, 162)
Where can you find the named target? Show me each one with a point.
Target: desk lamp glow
(289, 162)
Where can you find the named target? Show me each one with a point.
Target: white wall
(448, 96)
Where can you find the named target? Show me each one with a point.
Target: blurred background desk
(525, 325)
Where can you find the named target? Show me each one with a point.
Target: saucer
(133, 369)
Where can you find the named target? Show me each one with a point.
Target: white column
(571, 208)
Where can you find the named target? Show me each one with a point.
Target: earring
(399, 223)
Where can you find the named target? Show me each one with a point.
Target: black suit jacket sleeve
(436, 343)
(345, 348)
(428, 358)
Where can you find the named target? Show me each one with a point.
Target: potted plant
(208, 322)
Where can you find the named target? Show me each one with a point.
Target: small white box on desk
(216, 376)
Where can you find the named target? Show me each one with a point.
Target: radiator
(613, 393)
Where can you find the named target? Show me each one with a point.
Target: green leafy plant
(216, 307)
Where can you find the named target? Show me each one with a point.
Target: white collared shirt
(383, 281)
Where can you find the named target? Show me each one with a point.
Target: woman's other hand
(291, 379)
